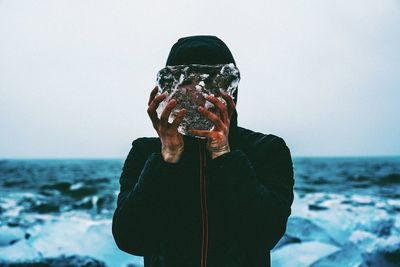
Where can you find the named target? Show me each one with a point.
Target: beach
(346, 212)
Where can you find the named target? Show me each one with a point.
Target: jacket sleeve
(138, 221)
(257, 201)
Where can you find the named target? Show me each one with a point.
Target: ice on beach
(333, 223)
(370, 242)
(9, 235)
(18, 251)
(302, 254)
(344, 214)
(361, 232)
(305, 230)
(189, 85)
(348, 256)
(394, 202)
(81, 236)
(70, 236)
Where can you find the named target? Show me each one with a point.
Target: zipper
(203, 199)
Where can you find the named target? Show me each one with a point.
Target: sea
(346, 212)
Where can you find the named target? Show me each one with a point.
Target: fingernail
(200, 108)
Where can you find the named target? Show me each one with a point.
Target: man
(219, 201)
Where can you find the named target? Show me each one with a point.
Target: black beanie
(205, 50)
(200, 49)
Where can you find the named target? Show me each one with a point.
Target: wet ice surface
(189, 84)
(348, 232)
(55, 208)
(345, 213)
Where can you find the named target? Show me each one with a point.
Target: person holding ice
(205, 192)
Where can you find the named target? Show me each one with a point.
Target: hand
(218, 143)
(171, 140)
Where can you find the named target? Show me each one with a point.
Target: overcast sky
(75, 76)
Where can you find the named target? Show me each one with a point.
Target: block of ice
(10, 235)
(81, 236)
(301, 254)
(348, 256)
(189, 84)
(306, 230)
(285, 240)
(18, 251)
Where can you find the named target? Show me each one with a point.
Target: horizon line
(123, 158)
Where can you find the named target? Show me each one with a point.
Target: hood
(206, 50)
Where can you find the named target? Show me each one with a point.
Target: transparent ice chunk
(189, 85)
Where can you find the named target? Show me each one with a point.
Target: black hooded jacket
(227, 211)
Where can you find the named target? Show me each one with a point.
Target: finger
(222, 107)
(230, 103)
(204, 133)
(212, 117)
(152, 95)
(165, 114)
(151, 110)
(178, 119)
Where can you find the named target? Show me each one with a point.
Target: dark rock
(316, 207)
(13, 222)
(62, 261)
(389, 179)
(388, 257)
(82, 192)
(45, 207)
(62, 186)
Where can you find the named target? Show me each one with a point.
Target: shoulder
(260, 141)
(143, 141)
(146, 145)
(266, 151)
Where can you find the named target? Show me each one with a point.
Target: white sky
(75, 76)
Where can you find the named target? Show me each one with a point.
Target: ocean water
(346, 212)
